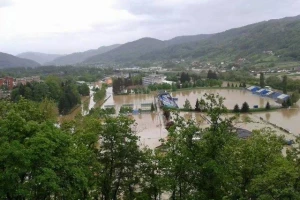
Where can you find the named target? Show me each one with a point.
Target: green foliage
(274, 82)
(125, 110)
(98, 157)
(184, 77)
(119, 84)
(262, 80)
(187, 105)
(100, 93)
(197, 105)
(69, 98)
(236, 108)
(245, 107)
(84, 89)
(110, 111)
(268, 107)
(284, 84)
(212, 75)
(161, 86)
(38, 160)
(152, 107)
(295, 97)
(63, 93)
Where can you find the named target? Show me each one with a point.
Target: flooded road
(89, 104)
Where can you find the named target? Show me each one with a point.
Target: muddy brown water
(150, 127)
(232, 97)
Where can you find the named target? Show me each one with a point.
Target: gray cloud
(161, 20)
(210, 16)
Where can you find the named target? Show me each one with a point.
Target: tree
(187, 105)
(262, 80)
(245, 107)
(268, 107)
(212, 75)
(184, 77)
(30, 172)
(284, 104)
(295, 97)
(274, 81)
(289, 102)
(236, 108)
(197, 108)
(152, 107)
(284, 84)
(120, 157)
(84, 89)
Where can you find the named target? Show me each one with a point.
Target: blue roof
(167, 100)
(260, 91)
(255, 89)
(264, 92)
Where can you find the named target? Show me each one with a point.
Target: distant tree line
(119, 84)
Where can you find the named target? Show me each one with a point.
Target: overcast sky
(66, 26)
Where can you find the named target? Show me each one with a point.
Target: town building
(7, 82)
(25, 80)
(153, 78)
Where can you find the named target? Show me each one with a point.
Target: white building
(153, 78)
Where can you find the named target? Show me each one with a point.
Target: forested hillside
(79, 57)
(128, 52)
(281, 36)
(9, 61)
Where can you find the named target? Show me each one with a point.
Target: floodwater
(286, 118)
(232, 97)
(150, 127)
(88, 105)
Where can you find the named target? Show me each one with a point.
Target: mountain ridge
(78, 57)
(41, 58)
(10, 61)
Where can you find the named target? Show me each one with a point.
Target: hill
(187, 39)
(41, 58)
(280, 37)
(9, 61)
(79, 57)
(128, 52)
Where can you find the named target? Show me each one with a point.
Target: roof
(283, 96)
